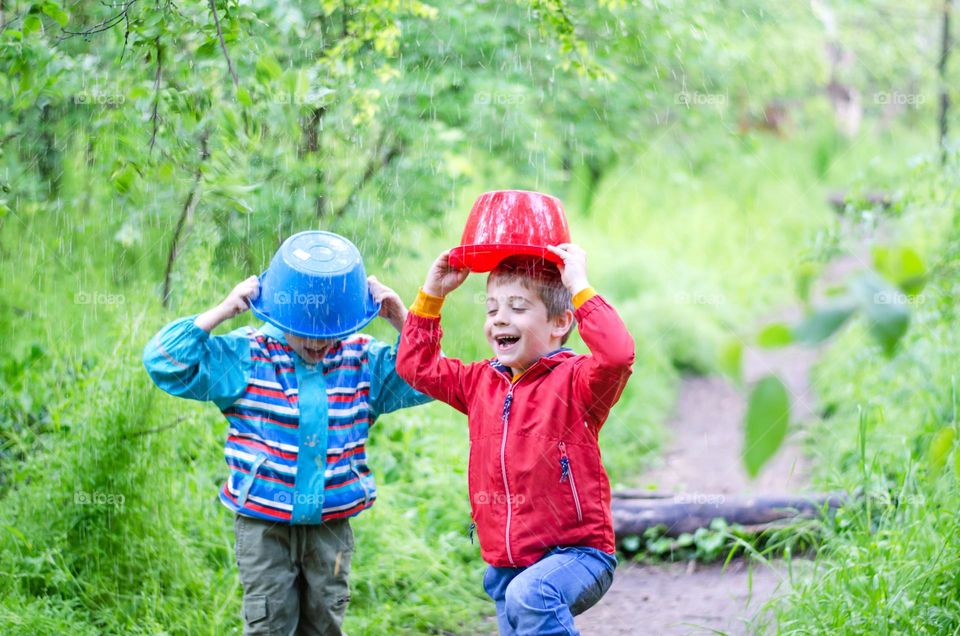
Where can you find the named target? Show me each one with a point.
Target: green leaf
(885, 306)
(31, 24)
(824, 322)
(243, 96)
(775, 335)
(902, 266)
(123, 178)
(54, 10)
(939, 449)
(768, 415)
(956, 464)
(267, 70)
(630, 543)
(806, 275)
(731, 355)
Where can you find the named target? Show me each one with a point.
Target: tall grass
(890, 560)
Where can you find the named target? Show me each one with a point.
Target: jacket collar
(544, 363)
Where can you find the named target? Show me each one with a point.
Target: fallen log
(676, 514)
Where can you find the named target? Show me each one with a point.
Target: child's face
(311, 350)
(517, 326)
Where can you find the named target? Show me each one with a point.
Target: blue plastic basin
(316, 287)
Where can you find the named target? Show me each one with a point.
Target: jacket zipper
(503, 469)
(566, 474)
(503, 453)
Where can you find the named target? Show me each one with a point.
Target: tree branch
(104, 25)
(311, 145)
(223, 44)
(378, 162)
(186, 216)
(942, 75)
(154, 117)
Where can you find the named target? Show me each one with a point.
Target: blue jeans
(543, 598)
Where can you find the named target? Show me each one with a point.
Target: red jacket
(536, 479)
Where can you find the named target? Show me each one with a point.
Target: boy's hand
(236, 302)
(573, 272)
(392, 308)
(443, 278)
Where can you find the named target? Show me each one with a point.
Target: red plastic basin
(506, 223)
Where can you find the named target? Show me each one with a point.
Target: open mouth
(506, 343)
(314, 352)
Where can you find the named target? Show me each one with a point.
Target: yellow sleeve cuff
(583, 296)
(427, 306)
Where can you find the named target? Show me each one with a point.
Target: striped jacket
(296, 434)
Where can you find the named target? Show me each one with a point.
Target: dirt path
(704, 457)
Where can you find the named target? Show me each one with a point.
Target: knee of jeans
(524, 596)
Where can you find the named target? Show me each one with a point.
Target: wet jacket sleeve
(186, 361)
(420, 362)
(600, 379)
(389, 391)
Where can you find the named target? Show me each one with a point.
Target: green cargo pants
(294, 577)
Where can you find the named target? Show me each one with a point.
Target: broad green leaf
(939, 449)
(243, 96)
(885, 306)
(54, 10)
(123, 178)
(731, 355)
(824, 322)
(267, 70)
(765, 426)
(806, 275)
(630, 543)
(775, 335)
(956, 464)
(31, 24)
(902, 266)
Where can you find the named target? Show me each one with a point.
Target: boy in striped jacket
(299, 411)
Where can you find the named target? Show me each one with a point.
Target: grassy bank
(889, 561)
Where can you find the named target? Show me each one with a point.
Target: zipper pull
(564, 462)
(473, 527)
(506, 405)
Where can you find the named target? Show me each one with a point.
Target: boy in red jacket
(539, 495)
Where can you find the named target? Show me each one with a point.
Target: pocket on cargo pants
(268, 574)
(325, 567)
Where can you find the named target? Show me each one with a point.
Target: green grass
(689, 249)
